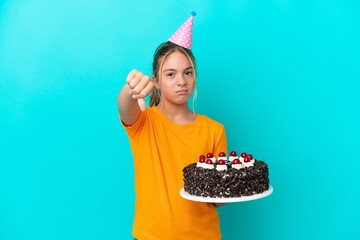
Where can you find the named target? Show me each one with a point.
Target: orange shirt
(161, 149)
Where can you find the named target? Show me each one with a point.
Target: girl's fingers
(144, 81)
(134, 78)
(130, 76)
(145, 91)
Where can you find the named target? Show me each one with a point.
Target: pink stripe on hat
(183, 36)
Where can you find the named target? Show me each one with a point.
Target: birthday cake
(226, 177)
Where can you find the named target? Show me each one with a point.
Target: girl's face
(176, 79)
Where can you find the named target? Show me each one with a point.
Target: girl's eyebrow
(170, 69)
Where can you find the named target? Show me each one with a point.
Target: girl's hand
(140, 86)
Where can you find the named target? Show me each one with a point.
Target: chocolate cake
(226, 177)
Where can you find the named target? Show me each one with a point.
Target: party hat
(183, 36)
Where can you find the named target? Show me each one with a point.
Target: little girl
(164, 138)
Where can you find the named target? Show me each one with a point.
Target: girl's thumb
(142, 104)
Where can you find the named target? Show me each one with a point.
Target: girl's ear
(156, 82)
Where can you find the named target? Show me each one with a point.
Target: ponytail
(155, 97)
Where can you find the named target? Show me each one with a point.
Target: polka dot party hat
(183, 36)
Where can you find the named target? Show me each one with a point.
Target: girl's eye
(170, 74)
(189, 73)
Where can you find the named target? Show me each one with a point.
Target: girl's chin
(180, 103)
(178, 100)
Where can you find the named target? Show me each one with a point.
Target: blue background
(281, 75)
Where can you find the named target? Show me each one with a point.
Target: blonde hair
(160, 55)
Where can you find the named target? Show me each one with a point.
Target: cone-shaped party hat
(183, 36)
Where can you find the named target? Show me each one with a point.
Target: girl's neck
(177, 114)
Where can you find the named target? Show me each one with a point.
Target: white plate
(225, 200)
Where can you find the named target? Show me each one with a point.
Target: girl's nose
(181, 80)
